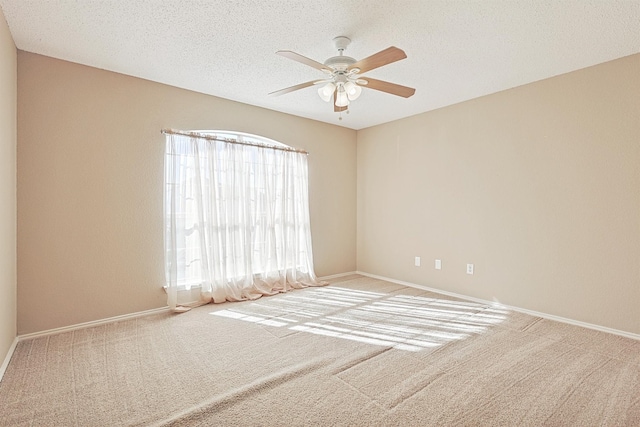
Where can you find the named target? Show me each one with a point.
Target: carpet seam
(357, 390)
(228, 399)
(416, 390)
(355, 363)
(531, 324)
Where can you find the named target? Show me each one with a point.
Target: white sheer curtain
(236, 219)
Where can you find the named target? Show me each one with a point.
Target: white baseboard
(518, 309)
(335, 276)
(55, 331)
(92, 323)
(7, 359)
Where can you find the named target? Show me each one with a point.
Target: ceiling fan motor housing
(340, 62)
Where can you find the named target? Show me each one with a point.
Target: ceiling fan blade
(296, 87)
(384, 57)
(391, 88)
(337, 109)
(303, 60)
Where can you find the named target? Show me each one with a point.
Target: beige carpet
(360, 352)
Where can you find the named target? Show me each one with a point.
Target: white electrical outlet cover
(469, 268)
(438, 264)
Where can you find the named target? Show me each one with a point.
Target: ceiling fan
(344, 82)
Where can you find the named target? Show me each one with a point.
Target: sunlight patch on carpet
(402, 321)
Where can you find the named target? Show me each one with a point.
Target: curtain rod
(229, 140)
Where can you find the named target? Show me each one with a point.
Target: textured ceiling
(457, 50)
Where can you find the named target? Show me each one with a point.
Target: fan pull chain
(340, 113)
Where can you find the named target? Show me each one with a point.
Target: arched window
(236, 216)
(243, 137)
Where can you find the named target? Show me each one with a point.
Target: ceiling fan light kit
(344, 82)
(341, 98)
(353, 90)
(326, 91)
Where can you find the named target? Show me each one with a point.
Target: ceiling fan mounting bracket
(341, 43)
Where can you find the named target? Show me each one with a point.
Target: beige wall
(90, 173)
(8, 82)
(538, 186)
